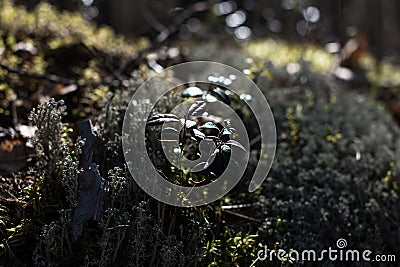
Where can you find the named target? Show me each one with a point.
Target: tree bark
(91, 184)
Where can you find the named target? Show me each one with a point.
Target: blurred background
(330, 23)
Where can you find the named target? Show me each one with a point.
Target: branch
(108, 81)
(50, 77)
(164, 32)
(241, 216)
(152, 20)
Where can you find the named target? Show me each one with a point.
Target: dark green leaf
(227, 123)
(225, 149)
(200, 166)
(158, 116)
(221, 94)
(236, 144)
(198, 134)
(197, 108)
(189, 123)
(209, 128)
(226, 135)
(209, 125)
(162, 118)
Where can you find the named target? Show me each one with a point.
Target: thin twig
(172, 223)
(152, 20)
(242, 216)
(109, 81)
(13, 198)
(238, 206)
(50, 77)
(138, 57)
(164, 34)
(255, 140)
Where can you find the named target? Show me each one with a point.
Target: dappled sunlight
(199, 133)
(282, 53)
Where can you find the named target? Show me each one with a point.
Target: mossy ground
(335, 174)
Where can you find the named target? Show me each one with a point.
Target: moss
(61, 29)
(281, 54)
(335, 174)
(46, 41)
(334, 171)
(232, 249)
(322, 185)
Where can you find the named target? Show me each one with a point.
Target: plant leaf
(200, 166)
(198, 135)
(226, 135)
(197, 108)
(209, 125)
(161, 121)
(236, 144)
(162, 118)
(158, 116)
(221, 94)
(189, 123)
(227, 123)
(226, 149)
(210, 129)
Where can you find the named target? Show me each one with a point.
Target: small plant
(59, 163)
(232, 249)
(196, 128)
